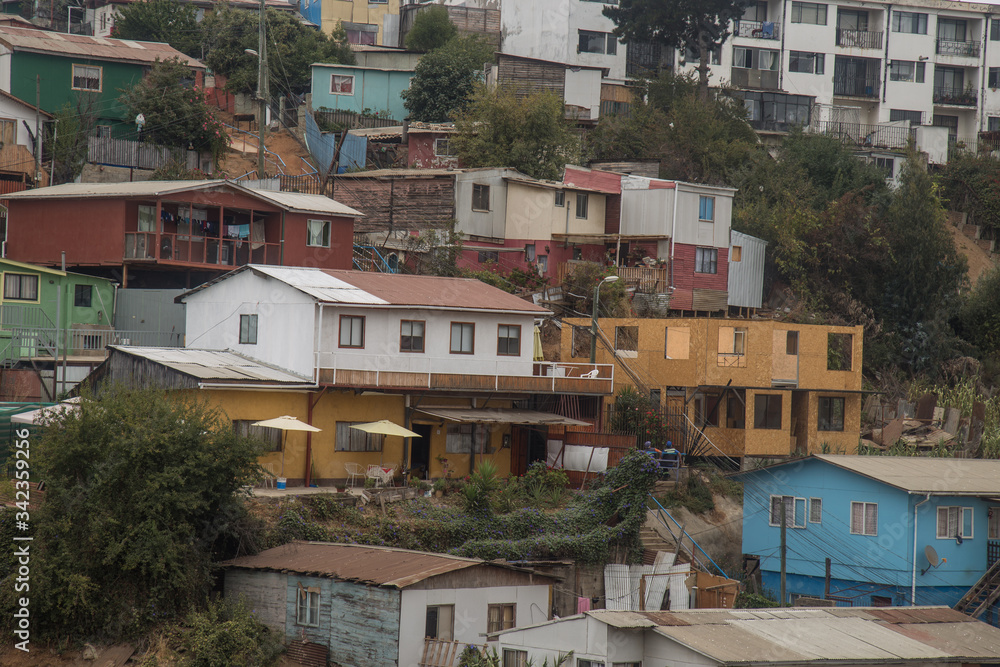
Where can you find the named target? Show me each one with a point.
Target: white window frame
(333, 88)
(324, 233)
(307, 607)
(446, 151)
(865, 529)
(960, 513)
(582, 205)
(100, 77)
(706, 208)
(993, 523)
(816, 506)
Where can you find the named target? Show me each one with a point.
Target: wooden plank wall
(399, 203)
(531, 76)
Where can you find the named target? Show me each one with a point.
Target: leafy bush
(228, 633)
(747, 600)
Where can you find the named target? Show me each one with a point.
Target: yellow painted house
(733, 387)
(364, 21)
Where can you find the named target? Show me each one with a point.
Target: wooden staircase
(984, 593)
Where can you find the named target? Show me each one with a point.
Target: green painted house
(44, 311)
(80, 70)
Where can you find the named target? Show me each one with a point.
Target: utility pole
(784, 551)
(262, 91)
(38, 130)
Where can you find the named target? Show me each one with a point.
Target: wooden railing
(199, 249)
(651, 280)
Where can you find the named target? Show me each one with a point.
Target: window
(849, 19)
(815, 510)
(795, 511)
(271, 437)
(442, 148)
(515, 658)
(676, 342)
(248, 329)
(791, 342)
(352, 331)
(864, 518)
(887, 165)
(951, 122)
(83, 295)
(560, 198)
(706, 260)
(597, 42)
(806, 63)
(831, 414)
(411, 336)
(914, 23)
(993, 523)
(147, 219)
(952, 30)
(706, 208)
(994, 30)
(480, 197)
(440, 622)
(582, 662)
(509, 340)
(714, 55)
(488, 256)
(907, 70)
(809, 12)
(739, 341)
(915, 117)
(307, 612)
(341, 84)
(318, 233)
(755, 11)
(543, 264)
(767, 411)
(736, 415)
(499, 617)
(953, 522)
(467, 439)
(626, 664)
(582, 200)
(736, 253)
(20, 286)
(777, 110)
(627, 340)
(993, 77)
(349, 439)
(529, 252)
(993, 123)
(86, 77)
(839, 348)
(462, 335)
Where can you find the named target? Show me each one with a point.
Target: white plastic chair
(354, 470)
(269, 475)
(388, 472)
(375, 472)
(591, 375)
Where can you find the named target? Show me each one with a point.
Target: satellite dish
(932, 559)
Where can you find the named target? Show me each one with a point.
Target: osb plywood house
(748, 388)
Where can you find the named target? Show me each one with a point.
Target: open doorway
(420, 450)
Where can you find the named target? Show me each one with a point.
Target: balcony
(861, 135)
(948, 47)
(546, 378)
(955, 96)
(201, 250)
(757, 29)
(862, 39)
(857, 86)
(48, 342)
(754, 78)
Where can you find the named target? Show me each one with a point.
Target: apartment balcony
(861, 39)
(947, 47)
(341, 370)
(867, 87)
(757, 30)
(188, 249)
(754, 79)
(955, 96)
(862, 135)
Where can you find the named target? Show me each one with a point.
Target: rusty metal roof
(214, 365)
(379, 566)
(501, 416)
(84, 46)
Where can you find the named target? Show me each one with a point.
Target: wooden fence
(136, 154)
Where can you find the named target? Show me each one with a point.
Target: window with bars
(349, 439)
(815, 510)
(864, 518)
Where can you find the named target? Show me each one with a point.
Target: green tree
(527, 133)
(170, 21)
(980, 314)
(141, 487)
(431, 29)
(700, 26)
(68, 138)
(291, 48)
(444, 79)
(176, 114)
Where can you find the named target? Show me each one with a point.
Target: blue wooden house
(878, 530)
(367, 90)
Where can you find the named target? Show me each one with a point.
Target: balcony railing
(862, 39)
(757, 29)
(948, 47)
(856, 86)
(866, 136)
(199, 249)
(754, 78)
(16, 315)
(955, 95)
(26, 343)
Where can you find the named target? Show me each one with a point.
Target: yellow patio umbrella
(538, 354)
(386, 427)
(287, 423)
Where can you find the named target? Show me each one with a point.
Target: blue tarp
(323, 145)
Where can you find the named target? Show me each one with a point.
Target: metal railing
(137, 154)
(701, 562)
(864, 135)
(955, 95)
(48, 342)
(757, 29)
(370, 258)
(16, 315)
(949, 47)
(857, 86)
(863, 39)
(200, 249)
(350, 120)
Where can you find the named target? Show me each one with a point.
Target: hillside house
(377, 606)
(99, 16)
(924, 636)
(360, 89)
(18, 142)
(175, 233)
(482, 22)
(579, 87)
(399, 202)
(737, 388)
(867, 530)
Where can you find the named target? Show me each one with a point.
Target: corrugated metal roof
(380, 566)
(213, 364)
(100, 48)
(305, 203)
(389, 173)
(973, 477)
(608, 182)
(501, 416)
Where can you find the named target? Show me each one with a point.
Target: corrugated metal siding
(746, 277)
(150, 310)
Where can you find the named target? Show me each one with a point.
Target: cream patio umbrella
(287, 423)
(537, 354)
(386, 427)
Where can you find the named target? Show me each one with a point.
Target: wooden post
(784, 553)
(826, 582)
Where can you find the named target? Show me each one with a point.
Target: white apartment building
(906, 62)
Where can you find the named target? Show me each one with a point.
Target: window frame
(799, 8)
(609, 45)
(351, 320)
(82, 292)
(347, 439)
(480, 190)
(560, 198)
(866, 530)
(706, 208)
(248, 328)
(437, 632)
(816, 62)
(100, 78)
(829, 425)
(306, 605)
(335, 91)
(501, 623)
(270, 436)
(466, 438)
(443, 152)
(325, 233)
(472, 338)
(500, 337)
(791, 343)
(961, 512)
(917, 20)
(22, 278)
(513, 657)
(793, 514)
(412, 337)
(706, 261)
(993, 523)
(815, 503)
(763, 419)
(582, 204)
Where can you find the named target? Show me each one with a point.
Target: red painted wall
(91, 231)
(420, 152)
(508, 261)
(337, 256)
(686, 280)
